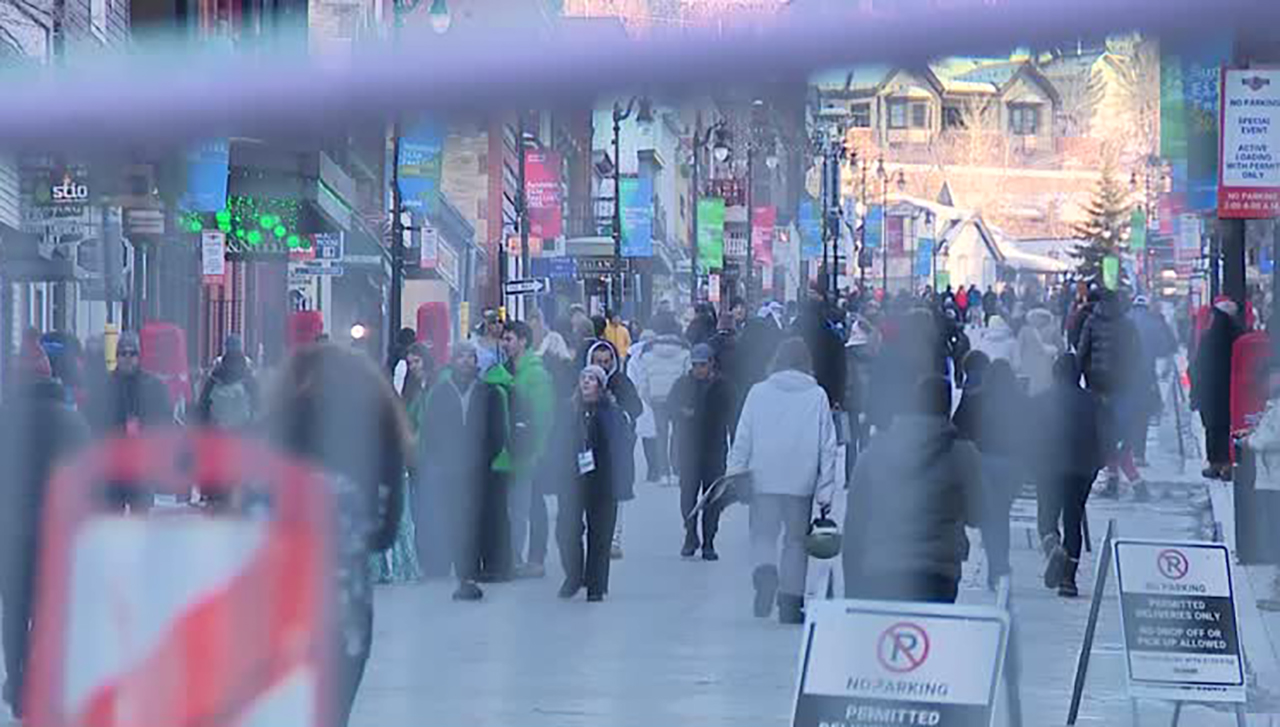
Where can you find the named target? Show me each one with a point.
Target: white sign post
(1249, 165)
(1177, 607)
(880, 663)
(213, 255)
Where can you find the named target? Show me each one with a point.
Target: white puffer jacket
(786, 438)
(664, 360)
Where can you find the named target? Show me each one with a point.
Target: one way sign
(531, 286)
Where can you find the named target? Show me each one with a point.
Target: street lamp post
(701, 138)
(832, 152)
(621, 114)
(440, 20)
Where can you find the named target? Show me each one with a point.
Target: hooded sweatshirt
(621, 387)
(786, 439)
(664, 360)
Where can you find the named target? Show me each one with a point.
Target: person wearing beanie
(589, 499)
(229, 397)
(134, 399)
(1211, 386)
(701, 406)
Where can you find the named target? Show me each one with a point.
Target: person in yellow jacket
(615, 332)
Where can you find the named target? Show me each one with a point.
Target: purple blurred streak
(167, 98)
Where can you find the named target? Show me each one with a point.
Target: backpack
(229, 405)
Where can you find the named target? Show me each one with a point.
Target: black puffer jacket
(1109, 348)
(913, 491)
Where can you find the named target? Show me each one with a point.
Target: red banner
(763, 220)
(894, 233)
(542, 193)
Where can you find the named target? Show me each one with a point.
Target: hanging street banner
(1250, 144)
(1138, 229)
(1201, 73)
(873, 227)
(763, 220)
(711, 234)
(419, 165)
(810, 231)
(1111, 272)
(207, 167)
(876, 663)
(1177, 607)
(542, 193)
(637, 216)
(713, 287)
(924, 258)
(1173, 109)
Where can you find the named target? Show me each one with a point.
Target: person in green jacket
(532, 408)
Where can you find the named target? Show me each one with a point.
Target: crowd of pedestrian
(934, 411)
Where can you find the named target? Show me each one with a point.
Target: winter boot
(468, 591)
(1140, 492)
(1053, 571)
(691, 544)
(1067, 586)
(1050, 543)
(765, 579)
(790, 609)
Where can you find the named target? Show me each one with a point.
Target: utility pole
(522, 205)
(394, 318)
(693, 212)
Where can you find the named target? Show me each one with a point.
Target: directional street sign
(531, 286)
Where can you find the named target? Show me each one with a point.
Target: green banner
(711, 234)
(1138, 230)
(1173, 109)
(1111, 272)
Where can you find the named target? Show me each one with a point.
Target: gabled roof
(997, 73)
(928, 75)
(1033, 74)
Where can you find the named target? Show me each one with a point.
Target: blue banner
(1201, 82)
(873, 227)
(810, 231)
(207, 176)
(924, 258)
(637, 216)
(419, 165)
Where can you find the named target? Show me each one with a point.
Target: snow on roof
(958, 86)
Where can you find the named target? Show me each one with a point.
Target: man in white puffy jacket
(786, 440)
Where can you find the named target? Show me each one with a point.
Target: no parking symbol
(903, 647)
(1173, 564)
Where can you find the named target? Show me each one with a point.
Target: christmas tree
(1106, 227)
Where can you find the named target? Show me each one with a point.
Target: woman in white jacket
(786, 441)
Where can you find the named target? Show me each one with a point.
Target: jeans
(1063, 496)
(788, 516)
(690, 487)
(657, 450)
(593, 512)
(520, 509)
(1000, 482)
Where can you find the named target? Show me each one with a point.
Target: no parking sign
(874, 664)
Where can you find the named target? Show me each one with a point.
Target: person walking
(229, 398)
(418, 381)
(1039, 343)
(701, 405)
(337, 410)
(786, 441)
(1109, 357)
(1211, 386)
(627, 399)
(991, 416)
(990, 306)
(913, 492)
(1156, 342)
(663, 362)
(531, 411)
(1067, 451)
(617, 333)
(488, 342)
(464, 431)
(38, 431)
(133, 399)
(589, 500)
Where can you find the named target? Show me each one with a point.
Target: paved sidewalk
(676, 644)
